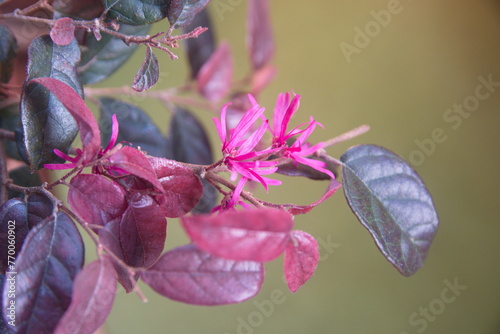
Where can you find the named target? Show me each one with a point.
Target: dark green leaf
(9, 120)
(102, 58)
(136, 12)
(148, 74)
(182, 12)
(189, 139)
(201, 48)
(46, 123)
(190, 144)
(22, 176)
(8, 50)
(392, 202)
(136, 127)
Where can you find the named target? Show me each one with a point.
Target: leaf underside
(392, 202)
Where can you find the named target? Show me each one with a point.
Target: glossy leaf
(215, 77)
(256, 235)
(301, 259)
(96, 199)
(136, 12)
(87, 125)
(182, 12)
(46, 267)
(260, 41)
(109, 236)
(17, 217)
(148, 73)
(333, 186)
(14, 227)
(143, 230)
(81, 9)
(8, 50)
(136, 127)
(46, 123)
(392, 202)
(183, 189)
(135, 162)
(190, 275)
(63, 31)
(102, 58)
(93, 296)
(199, 49)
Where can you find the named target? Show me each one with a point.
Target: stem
(42, 189)
(244, 194)
(132, 271)
(98, 25)
(8, 135)
(347, 135)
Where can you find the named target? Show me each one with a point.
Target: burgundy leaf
(51, 257)
(39, 208)
(256, 235)
(190, 275)
(109, 236)
(96, 199)
(63, 31)
(135, 162)
(87, 125)
(94, 293)
(183, 189)
(148, 74)
(303, 209)
(17, 217)
(301, 259)
(260, 41)
(214, 78)
(143, 230)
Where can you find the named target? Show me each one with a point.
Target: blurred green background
(412, 70)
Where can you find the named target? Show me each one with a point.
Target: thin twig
(347, 135)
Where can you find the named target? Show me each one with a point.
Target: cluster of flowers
(239, 143)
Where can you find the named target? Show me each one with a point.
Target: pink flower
(238, 149)
(300, 149)
(77, 159)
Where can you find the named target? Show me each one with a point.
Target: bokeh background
(424, 61)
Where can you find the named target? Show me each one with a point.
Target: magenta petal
(237, 191)
(115, 127)
(66, 157)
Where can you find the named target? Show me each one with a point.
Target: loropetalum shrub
(125, 178)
